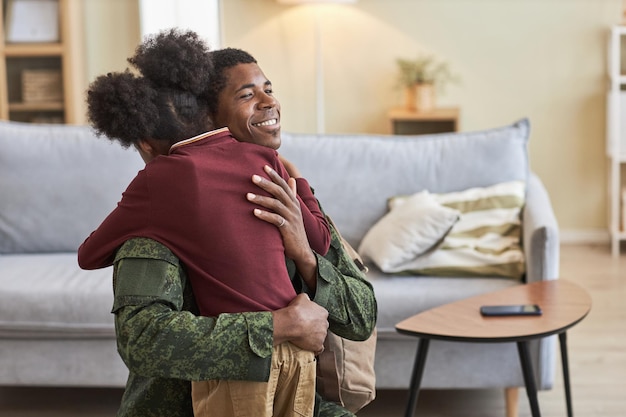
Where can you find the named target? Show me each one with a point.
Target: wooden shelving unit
(64, 55)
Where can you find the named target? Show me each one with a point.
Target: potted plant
(421, 77)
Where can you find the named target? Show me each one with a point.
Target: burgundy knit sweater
(194, 202)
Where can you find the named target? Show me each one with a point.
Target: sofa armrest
(541, 233)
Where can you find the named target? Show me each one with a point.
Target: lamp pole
(320, 110)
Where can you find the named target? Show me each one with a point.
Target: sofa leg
(511, 398)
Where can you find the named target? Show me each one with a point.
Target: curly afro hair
(121, 107)
(223, 59)
(175, 59)
(128, 108)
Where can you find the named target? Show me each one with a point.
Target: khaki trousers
(289, 392)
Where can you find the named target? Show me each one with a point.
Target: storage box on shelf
(28, 92)
(42, 85)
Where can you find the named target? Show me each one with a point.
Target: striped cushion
(486, 239)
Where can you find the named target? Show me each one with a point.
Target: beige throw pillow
(415, 225)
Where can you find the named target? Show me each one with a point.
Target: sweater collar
(217, 133)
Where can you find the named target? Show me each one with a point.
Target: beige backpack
(345, 369)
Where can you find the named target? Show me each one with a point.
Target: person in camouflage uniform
(164, 342)
(166, 345)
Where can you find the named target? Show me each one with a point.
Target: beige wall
(111, 35)
(541, 59)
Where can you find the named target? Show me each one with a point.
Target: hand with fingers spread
(284, 211)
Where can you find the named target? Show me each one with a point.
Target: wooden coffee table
(563, 304)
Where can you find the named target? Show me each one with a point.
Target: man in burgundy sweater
(183, 201)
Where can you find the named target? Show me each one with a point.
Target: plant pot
(410, 97)
(424, 97)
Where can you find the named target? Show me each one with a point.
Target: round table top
(563, 304)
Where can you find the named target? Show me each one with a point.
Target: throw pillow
(412, 227)
(486, 239)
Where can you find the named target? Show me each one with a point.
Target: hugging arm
(159, 336)
(344, 291)
(333, 280)
(128, 218)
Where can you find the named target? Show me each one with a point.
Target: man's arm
(159, 335)
(343, 290)
(127, 219)
(333, 280)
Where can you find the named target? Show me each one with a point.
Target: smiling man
(232, 346)
(241, 98)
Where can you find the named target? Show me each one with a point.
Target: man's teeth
(266, 123)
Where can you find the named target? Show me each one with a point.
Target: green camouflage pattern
(329, 409)
(344, 291)
(165, 344)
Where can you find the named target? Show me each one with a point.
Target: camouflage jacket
(165, 344)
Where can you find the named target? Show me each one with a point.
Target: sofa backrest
(354, 175)
(57, 183)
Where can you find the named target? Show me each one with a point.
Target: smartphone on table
(511, 310)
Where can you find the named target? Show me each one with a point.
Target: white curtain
(201, 16)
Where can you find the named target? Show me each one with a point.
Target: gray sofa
(58, 182)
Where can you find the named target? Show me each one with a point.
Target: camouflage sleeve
(159, 336)
(343, 290)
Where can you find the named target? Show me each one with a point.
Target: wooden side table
(564, 304)
(411, 122)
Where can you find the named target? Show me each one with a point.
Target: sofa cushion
(486, 241)
(399, 297)
(415, 225)
(57, 183)
(48, 296)
(375, 168)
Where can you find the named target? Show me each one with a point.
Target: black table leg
(565, 365)
(416, 377)
(529, 377)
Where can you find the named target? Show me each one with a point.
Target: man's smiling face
(248, 107)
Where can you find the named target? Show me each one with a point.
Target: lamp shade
(314, 1)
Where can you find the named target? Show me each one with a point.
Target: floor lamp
(319, 60)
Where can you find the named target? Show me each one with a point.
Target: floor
(597, 350)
